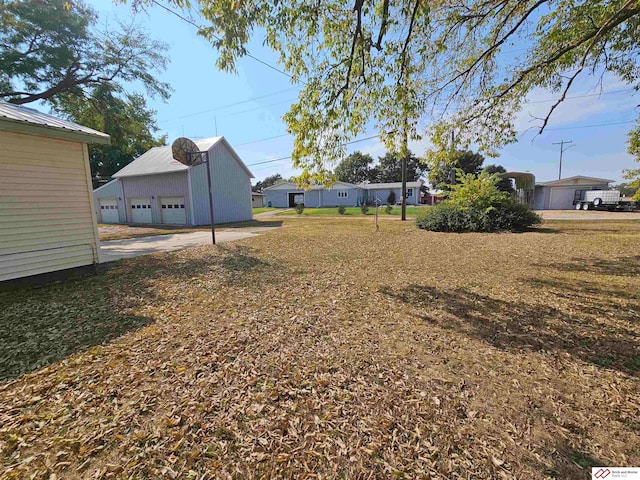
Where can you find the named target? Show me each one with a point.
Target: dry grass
(329, 350)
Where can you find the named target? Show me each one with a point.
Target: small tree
(391, 199)
(299, 208)
(341, 209)
(388, 209)
(364, 208)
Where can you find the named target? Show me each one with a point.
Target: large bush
(476, 205)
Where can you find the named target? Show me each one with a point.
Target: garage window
(409, 192)
(343, 193)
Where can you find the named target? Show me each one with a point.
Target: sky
(246, 107)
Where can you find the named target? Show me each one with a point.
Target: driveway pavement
(134, 247)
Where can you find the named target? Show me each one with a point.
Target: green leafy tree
(625, 189)
(124, 116)
(477, 191)
(355, 168)
(443, 174)
(52, 47)
(52, 51)
(389, 168)
(504, 184)
(267, 182)
(633, 175)
(390, 63)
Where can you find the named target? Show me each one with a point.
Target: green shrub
(391, 199)
(388, 209)
(364, 208)
(505, 214)
(299, 208)
(341, 209)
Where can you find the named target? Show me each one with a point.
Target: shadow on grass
(251, 223)
(621, 267)
(514, 326)
(571, 464)
(45, 325)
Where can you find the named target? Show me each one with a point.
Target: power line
(581, 96)
(191, 22)
(261, 140)
(229, 105)
(341, 145)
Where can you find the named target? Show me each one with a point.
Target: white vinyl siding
(47, 221)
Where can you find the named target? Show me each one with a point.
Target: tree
(389, 168)
(634, 174)
(50, 48)
(267, 182)
(390, 63)
(503, 184)
(443, 174)
(124, 117)
(355, 168)
(52, 52)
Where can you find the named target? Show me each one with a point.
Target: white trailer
(603, 200)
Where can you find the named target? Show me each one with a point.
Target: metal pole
(404, 189)
(560, 168)
(213, 230)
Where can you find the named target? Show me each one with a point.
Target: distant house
(382, 191)
(562, 194)
(257, 199)
(288, 194)
(47, 220)
(156, 189)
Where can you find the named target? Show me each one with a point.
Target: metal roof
(17, 118)
(160, 160)
(378, 186)
(569, 181)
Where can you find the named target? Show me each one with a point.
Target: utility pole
(562, 143)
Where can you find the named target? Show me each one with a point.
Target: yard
(329, 350)
(352, 211)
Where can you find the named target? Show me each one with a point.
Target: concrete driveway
(134, 247)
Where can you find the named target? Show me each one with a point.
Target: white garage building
(562, 194)
(156, 189)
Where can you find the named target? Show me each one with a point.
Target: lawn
(263, 209)
(352, 211)
(325, 349)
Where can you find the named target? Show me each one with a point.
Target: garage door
(141, 210)
(173, 211)
(109, 210)
(562, 198)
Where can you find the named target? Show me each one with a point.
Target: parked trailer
(603, 200)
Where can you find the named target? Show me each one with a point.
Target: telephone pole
(562, 143)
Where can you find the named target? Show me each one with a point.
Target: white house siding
(153, 187)
(47, 218)
(113, 189)
(561, 197)
(231, 189)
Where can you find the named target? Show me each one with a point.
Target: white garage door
(141, 210)
(173, 211)
(109, 210)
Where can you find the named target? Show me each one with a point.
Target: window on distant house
(342, 193)
(409, 192)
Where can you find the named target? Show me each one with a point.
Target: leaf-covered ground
(329, 350)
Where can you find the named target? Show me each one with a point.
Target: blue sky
(200, 105)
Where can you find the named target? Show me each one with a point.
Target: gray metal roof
(17, 118)
(160, 160)
(569, 180)
(378, 186)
